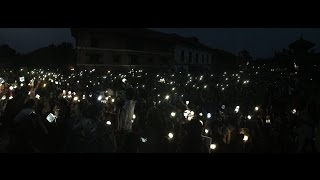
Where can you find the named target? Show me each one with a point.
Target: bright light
(69, 92)
(10, 97)
(222, 89)
(11, 88)
(144, 140)
(112, 100)
(223, 107)
(99, 98)
(201, 122)
(21, 84)
(294, 111)
(268, 121)
(170, 135)
(206, 131)
(75, 98)
(167, 97)
(83, 96)
(109, 123)
(44, 85)
(56, 82)
(256, 108)
(21, 79)
(187, 102)
(245, 138)
(38, 96)
(209, 115)
(3, 97)
(173, 114)
(205, 86)
(200, 114)
(236, 110)
(124, 80)
(213, 146)
(173, 89)
(249, 117)
(186, 113)
(133, 116)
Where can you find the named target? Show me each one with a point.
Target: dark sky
(261, 42)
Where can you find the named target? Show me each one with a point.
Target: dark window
(197, 58)
(182, 56)
(164, 60)
(116, 58)
(94, 43)
(190, 57)
(135, 44)
(150, 60)
(94, 59)
(134, 59)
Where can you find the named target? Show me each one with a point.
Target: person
(26, 126)
(193, 142)
(127, 112)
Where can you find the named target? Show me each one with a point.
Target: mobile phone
(144, 139)
(51, 118)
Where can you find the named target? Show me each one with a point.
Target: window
(190, 57)
(164, 60)
(135, 44)
(134, 59)
(182, 56)
(94, 58)
(197, 58)
(150, 60)
(116, 59)
(94, 43)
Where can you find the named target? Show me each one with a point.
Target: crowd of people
(87, 110)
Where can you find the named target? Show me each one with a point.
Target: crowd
(256, 109)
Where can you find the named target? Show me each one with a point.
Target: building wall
(204, 62)
(105, 49)
(108, 47)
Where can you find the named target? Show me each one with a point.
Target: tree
(6, 51)
(245, 55)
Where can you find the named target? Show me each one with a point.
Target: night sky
(261, 42)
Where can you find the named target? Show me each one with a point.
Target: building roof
(146, 34)
(301, 43)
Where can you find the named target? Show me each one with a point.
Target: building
(131, 47)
